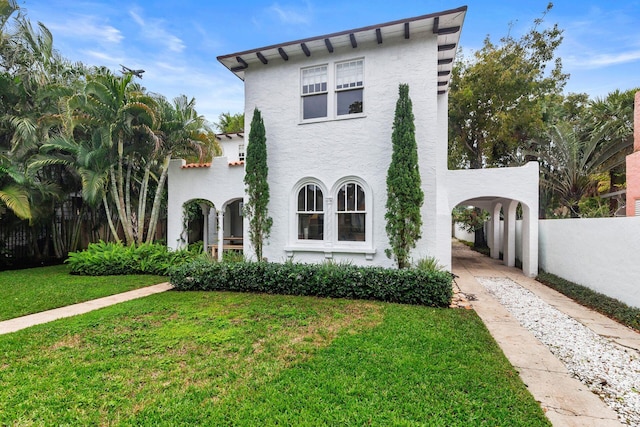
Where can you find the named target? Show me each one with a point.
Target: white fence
(600, 253)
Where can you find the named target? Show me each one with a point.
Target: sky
(177, 42)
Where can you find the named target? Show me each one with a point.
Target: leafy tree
(257, 187)
(469, 219)
(496, 99)
(230, 123)
(404, 192)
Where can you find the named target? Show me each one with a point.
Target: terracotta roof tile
(196, 165)
(237, 163)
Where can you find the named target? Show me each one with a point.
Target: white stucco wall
(600, 253)
(462, 234)
(330, 150)
(219, 184)
(229, 145)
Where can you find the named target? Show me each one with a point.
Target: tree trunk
(480, 240)
(109, 220)
(118, 199)
(157, 201)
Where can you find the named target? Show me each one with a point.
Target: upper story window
(314, 92)
(349, 87)
(310, 213)
(241, 152)
(352, 211)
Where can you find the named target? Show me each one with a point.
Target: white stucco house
(328, 106)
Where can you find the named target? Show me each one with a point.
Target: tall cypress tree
(404, 192)
(257, 187)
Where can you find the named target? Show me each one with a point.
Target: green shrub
(232, 256)
(410, 286)
(102, 259)
(610, 307)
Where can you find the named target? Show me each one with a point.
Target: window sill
(367, 251)
(334, 119)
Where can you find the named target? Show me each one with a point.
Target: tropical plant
(12, 195)
(257, 186)
(570, 162)
(230, 123)
(429, 263)
(404, 192)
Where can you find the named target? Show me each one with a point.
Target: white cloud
(103, 57)
(87, 27)
(153, 30)
(291, 15)
(603, 59)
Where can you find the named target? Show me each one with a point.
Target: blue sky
(177, 42)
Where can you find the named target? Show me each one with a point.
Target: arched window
(352, 211)
(310, 213)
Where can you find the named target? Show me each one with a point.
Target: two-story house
(328, 106)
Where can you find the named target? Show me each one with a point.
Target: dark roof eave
(347, 32)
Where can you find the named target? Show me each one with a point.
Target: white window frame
(241, 152)
(315, 91)
(307, 211)
(346, 211)
(332, 91)
(357, 84)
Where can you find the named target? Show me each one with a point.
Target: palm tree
(569, 162)
(13, 194)
(183, 133)
(120, 116)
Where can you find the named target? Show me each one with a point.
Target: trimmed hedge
(610, 307)
(409, 286)
(104, 259)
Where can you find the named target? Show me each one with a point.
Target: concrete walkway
(18, 323)
(565, 400)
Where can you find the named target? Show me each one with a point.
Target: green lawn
(37, 289)
(196, 358)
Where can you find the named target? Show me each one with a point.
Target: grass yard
(37, 289)
(214, 358)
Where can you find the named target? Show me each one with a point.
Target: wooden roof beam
(262, 58)
(305, 49)
(327, 43)
(444, 47)
(448, 30)
(354, 43)
(283, 54)
(379, 35)
(406, 30)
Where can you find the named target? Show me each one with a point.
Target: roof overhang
(447, 25)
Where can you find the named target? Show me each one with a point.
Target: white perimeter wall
(600, 253)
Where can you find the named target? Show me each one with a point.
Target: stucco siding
(600, 253)
(354, 146)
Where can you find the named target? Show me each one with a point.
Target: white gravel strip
(609, 370)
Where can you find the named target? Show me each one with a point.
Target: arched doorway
(196, 223)
(511, 231)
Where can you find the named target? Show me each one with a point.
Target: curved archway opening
(507, 229)
(196, 220)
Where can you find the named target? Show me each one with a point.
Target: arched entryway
(511, 231)
(499, 191)
(230, 226)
